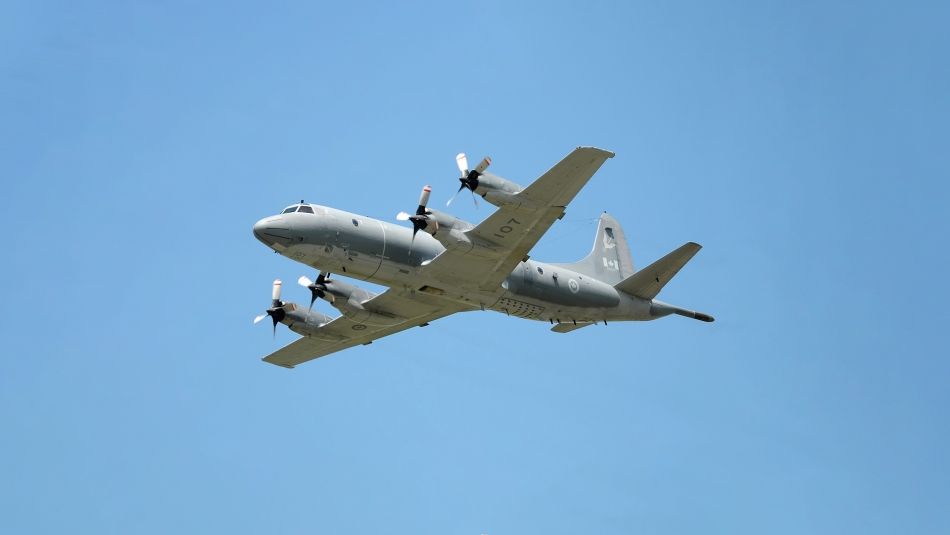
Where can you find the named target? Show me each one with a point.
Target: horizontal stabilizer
(648, 282)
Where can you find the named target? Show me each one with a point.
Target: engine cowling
(447, 221)
(497, 190)
(355, 311)
(493, 188)
(450, 229)
(305, 322)
(349, 299)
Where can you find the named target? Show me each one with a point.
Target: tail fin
(610, 259)
(648, 282)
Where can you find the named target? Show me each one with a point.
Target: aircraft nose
(272, 230)
(259, 230)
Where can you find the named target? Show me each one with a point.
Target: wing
(406, 309)
(505, 237)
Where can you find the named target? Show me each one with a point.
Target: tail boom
(647, 283)
(658, 309)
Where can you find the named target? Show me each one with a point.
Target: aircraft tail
(648, 282)
(609, 260)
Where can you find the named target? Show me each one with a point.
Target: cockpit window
(305, 208)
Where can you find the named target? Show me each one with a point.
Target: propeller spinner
(318, 288)
(469, 178)
(420, 220)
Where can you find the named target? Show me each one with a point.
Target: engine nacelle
(497, 190)
(344, 297)
(449, 230)
(355, 311)
(304, 322)
(349, 299)
(447, 222)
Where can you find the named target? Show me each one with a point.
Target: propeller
(469, 178)
(318, 288)
(276, 311)
(420, 220)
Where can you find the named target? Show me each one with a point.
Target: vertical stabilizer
(609, 260)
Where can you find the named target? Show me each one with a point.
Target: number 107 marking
(507, 228)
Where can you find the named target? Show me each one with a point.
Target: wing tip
(288, 366)
(605, 152)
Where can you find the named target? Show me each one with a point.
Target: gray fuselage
(384, 253)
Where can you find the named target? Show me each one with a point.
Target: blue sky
(804, 144)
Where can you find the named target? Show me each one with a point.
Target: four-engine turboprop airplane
(454, 266)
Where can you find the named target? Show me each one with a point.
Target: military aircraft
(443, 265)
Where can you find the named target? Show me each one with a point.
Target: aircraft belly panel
(519, 308)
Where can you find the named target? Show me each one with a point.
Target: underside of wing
(405, 309)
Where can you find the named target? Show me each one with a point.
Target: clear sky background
(804, 144)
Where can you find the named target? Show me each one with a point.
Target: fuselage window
(356, 223)
(306, 209)
(289, 209)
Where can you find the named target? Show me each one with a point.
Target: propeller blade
(402, 216)
(318, 288)
(456, 194)
(475, 200)
(424, 199)
(462, 161)
(483, 165)
(276, 315)
(415, 229)
(316, 292)
(276, 312)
